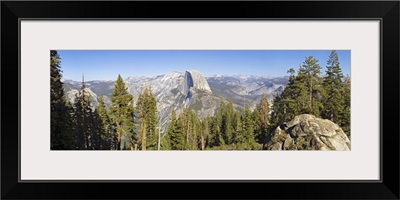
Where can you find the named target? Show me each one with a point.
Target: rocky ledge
(307, 132)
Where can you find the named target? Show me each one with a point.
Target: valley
(189, 89)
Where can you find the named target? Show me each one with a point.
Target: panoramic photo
(198, 100)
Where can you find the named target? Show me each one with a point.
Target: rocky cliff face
(72, 94)
(194, 80)
(175, 91)
(307, 132)
(169, 91)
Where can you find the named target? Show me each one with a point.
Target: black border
(386, 11)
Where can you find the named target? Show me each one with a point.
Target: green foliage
(122, 112)
(345, 122)
(147, 110)
(81, 126)
(165, 142)
(309, 83)
(303, 143)
(230, 130)
(87, 124)
(310, 93)
(238, 128)
(248, 126)
(107, 134)
(216, 133)
(204, 133)
(191, 127)
(175, 134)
(227, 123)
(334, 101)
(226, 130)
(303, 94)
(290, 103)
(61, 134)
(261, 117)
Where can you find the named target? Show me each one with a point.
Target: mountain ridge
(189, 89)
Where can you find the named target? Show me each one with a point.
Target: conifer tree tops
(60, 124)
(122, 111)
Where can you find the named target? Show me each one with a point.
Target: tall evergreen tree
(79, 122)
(147, 109)
(184, 117)
(217, 137)
(291, 102)
(334, 88)
(85, 121)
(176, 133)
(227, 123)
(121, 111)
(248, 127)
(310, 74)
(106, 136)
(95, 130)
(204, 134)
(238, 136)
(60, 123)
(262, 118)
(196, 128)
(165, 142)
(345, 122)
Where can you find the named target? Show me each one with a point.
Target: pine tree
(291, 102)
(95, 128)
(122, 113)
(61, 134)
(147, 109)
(84, 120)
(262, 119)
(238, 136)
(248, 127)
(165, 142)
(345, 122)
(196, 128)
(175, 133)
(227, 123)
(309, 74)
(184, 117)
(257, 125)
(152, 120)
(333, 85)
(204, 134)
(217, 137)
(79, 122)
(106, 136)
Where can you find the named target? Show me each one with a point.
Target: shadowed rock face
(307, 132)
(195, 80)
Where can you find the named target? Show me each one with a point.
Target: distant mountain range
(189, 89)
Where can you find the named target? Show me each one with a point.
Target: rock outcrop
(174, 91)
(195, 80)
(72, 94)
(307, 132)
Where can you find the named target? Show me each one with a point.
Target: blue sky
(107, 64)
